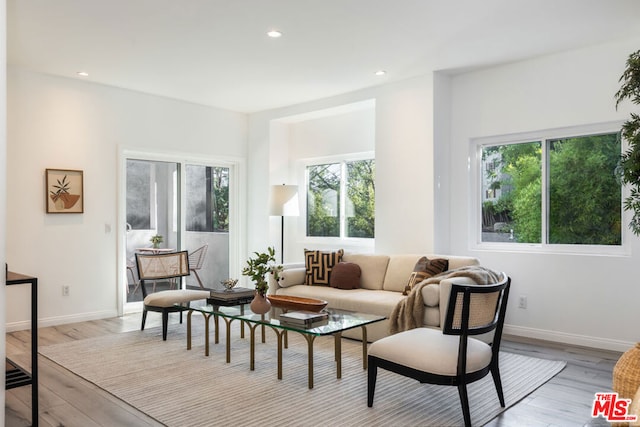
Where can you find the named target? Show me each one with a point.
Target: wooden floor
(67, 400)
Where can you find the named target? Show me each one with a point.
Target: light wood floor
(67, 400)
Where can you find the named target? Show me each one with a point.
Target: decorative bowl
(229, 283)
(287, 302)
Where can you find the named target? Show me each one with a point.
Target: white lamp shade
(284, 200)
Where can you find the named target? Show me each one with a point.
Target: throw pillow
(318, 265)
(345, 275)
(424, 269)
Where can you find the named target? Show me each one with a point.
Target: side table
(15, 375)
(221, 298)
(224, 298)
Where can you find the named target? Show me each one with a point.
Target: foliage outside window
(341, 199)
(553, 191)
(207, 198)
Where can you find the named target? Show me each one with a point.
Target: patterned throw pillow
(345, 275)
(318, 266)
(424, 269)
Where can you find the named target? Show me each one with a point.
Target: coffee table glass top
(338, 321)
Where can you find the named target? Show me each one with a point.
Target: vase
(260, 304)
(626, 374)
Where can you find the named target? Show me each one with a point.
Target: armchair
(451, 356)
(171, 266)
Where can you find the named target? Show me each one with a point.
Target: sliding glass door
(179, 205)
(152, 214)
(207, 223)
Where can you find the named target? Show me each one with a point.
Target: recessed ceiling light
(274, 34)
(381, 73)
(83, 74)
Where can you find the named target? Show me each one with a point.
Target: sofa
(381, 286)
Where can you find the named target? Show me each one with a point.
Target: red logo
(610, 406)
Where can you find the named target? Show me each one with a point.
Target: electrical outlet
(522, 302)
(65, 290)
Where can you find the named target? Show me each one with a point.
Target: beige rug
(184, 388)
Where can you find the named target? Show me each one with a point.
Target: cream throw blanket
(409, 312)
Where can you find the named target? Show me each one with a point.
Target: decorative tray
(287, 302)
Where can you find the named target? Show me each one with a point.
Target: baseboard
(573, 339)
(61, 320)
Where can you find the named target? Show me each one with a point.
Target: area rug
(184, 388)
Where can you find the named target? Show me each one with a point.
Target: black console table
(17, 376)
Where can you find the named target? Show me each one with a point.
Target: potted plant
(257, 268)
(156, 240)
(626, 373)
(630, 160)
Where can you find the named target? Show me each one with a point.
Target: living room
(420, 129)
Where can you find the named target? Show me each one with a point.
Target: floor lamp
(283, 202)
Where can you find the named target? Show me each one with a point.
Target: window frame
(303, 178)
(475, 194)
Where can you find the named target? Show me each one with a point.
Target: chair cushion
(429, 350)
(169, 298)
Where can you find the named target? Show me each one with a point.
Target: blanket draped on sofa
(409, 312)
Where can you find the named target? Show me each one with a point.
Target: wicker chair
(196, 261)
(172, 266)
(451, 356)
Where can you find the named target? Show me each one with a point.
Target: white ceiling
(216, 52)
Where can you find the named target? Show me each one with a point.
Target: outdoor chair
(171, 266)
(196, 261)
(131, 265)
(450, 356)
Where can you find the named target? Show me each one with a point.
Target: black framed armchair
(451, 356)
(167, 266)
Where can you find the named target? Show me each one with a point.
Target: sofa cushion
(431, 295)
(345, 275)
(373, 268)
(360, 300)
(318, 265)
(401, 266)
(424, 269)
(457, 261)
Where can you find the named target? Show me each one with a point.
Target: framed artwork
(64, 191)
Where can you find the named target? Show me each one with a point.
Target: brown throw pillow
(318, 266)
(345, 275)
(424, 269)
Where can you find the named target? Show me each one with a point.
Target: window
(552, 190)
(341, 199)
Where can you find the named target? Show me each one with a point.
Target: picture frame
(64, 192)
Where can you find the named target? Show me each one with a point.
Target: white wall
(404, 165)
(580, 299)
(3, 182)
(71, 124)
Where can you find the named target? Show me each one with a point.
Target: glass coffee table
(338, 322)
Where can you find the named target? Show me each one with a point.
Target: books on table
(305, 319)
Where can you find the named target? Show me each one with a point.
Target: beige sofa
(382, 283)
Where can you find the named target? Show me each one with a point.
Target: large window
(552, 190)
(341, 199)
